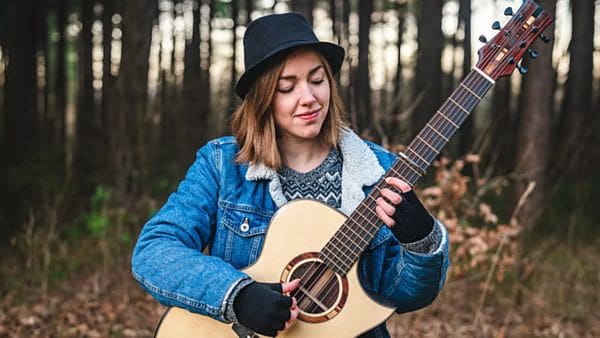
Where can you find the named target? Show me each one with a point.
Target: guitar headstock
(500, 56)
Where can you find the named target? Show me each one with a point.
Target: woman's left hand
(386, 207)
(404, 214)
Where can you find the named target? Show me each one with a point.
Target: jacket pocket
(244, 231)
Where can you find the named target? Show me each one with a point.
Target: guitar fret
(458, 105)
(402, 176)
(363, 242)
(341, 231)
(427, 143)
(470, 91)
(331, 259)
(437, 132)
(449, 120)
(415, 153)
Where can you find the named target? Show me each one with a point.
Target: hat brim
(333, 53)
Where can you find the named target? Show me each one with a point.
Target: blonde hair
(253, 124)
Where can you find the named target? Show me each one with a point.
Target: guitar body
(298, 228)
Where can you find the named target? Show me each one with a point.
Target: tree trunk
(577, 105)
(131, 155)
(234, 16)
(363, 89)
(249, 10)
(60, 82)
(304, 7)
(107, 78)
(428, 75)
(466, 132)
(533, 134)
(19, 138)
(501, 144)
(345, 42)
(193, 92)
(87, 137)
(398, 81)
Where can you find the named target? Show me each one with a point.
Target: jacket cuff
(229, 313)
(429, 244)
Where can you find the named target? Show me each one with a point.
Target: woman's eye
(285, 90)
(319, 81)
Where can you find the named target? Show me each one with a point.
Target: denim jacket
(190, 253)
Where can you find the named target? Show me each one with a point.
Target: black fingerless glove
(262, 308)
(412, 221)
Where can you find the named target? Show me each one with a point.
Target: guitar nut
(244, 227)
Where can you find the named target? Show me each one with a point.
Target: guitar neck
(353, 237)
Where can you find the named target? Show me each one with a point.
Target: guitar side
(298, 227)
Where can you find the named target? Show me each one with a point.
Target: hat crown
(271, 35)
(270, 32)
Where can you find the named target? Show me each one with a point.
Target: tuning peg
(544, 38)
(522, 69)
(532, 53)
(535, 29)
(482, 38)
(523, 44)
(508, 11)
(511, 60)
(496, 25)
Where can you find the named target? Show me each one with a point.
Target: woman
(290, 141)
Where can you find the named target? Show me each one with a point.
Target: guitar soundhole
(322, 293)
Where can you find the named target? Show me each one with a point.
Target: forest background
(103, 104)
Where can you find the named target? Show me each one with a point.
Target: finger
(284, 302)
(288, 287)
(384, 217)
(398, 183)
(295, 311)
(387, 208)
(391, 196)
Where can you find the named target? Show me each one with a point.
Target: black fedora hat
(272, 35)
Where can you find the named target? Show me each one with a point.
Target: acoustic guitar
(330, 297)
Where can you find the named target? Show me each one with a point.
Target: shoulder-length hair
(253, 124)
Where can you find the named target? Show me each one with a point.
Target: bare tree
(234, 16)
(130, 153)
(577, 105)
(466, 132)
(60, 83)
(362, 92)
(533, 135)
(19, 141)
(428, 74)
(193, 92)
(304, 7)
(86, 150)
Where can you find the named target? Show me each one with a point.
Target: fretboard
(353, 237)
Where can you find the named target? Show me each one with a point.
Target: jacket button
(244, 227)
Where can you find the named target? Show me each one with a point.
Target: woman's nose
(307, 96)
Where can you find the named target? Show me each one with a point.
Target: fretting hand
(403, 213)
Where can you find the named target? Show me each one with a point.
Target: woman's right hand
(264, 308)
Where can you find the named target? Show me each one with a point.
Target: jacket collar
(360, 168)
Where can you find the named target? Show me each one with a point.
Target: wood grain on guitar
(316, 243)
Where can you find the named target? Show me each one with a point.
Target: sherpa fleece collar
(360, 168)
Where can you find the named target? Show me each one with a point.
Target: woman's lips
(309, 116)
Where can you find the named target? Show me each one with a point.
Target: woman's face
(301, 101)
